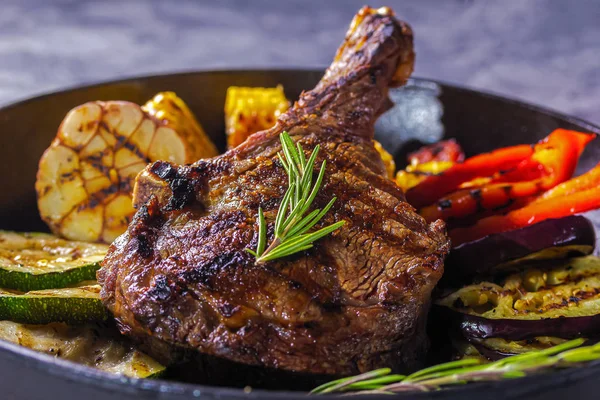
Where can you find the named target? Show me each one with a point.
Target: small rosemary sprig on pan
(292, 226)
(379, 381)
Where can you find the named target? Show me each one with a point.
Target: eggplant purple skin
(472, 326)
(487, 255)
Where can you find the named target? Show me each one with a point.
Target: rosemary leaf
(292, 226)
(461, 372)
(375, 383)
(443, 367)
(306, 220)
(262, 238)
(279, 224)
(341, 383)
(299, 243)
(316, 218)
(302, 157)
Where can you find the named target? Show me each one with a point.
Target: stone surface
(545, 52)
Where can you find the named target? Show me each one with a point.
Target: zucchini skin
(47, 306)
(26, 282)
(38, 261)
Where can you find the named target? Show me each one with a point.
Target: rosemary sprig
(564, 355)
(292, 226)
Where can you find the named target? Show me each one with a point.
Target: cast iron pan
(425, 111)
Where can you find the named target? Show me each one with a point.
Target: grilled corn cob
(173, 112)
(86, 176)
(249, 110)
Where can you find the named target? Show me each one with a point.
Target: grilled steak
(180, 277)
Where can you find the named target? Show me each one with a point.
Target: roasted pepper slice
(556, 157)
(553, 207)
(589, 180)
(445, 150)
(466, 202)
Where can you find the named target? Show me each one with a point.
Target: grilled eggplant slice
(85, 178)
(37, 261)
(493, 349)
(73, 305)
(475, 327)
(512, 250)
(251, 109)
(96, 345)
(562, 301)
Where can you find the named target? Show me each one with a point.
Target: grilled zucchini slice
(85, 178)
(37, 261)
(94, 344)
(251, 109)
(571, 289)
(73, 305)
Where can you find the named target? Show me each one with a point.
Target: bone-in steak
(180, 277)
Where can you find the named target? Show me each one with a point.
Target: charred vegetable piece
(172, 111)
(586, 181)
(562, 301)
(251, 109)
(556, 158)
(554, 207)
(472, 326)
(412, 175)
(493, 349)
(463, 349)
(445, 150)
(73, 305)
(496, 348)
(388, 160)
(547, 240)
(483, 165)
(94, 345)
(85, 178)
(36, 261)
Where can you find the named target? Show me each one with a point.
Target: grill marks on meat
(181, 278)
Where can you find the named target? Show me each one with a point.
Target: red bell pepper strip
(487, 164)
(556, 158)
(466, 202)
(446, 150)
(588, 180)
(559, 154)
(554, 207)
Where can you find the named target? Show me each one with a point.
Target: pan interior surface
(424, 111)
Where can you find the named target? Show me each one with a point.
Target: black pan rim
(182, 73)
(68, 370)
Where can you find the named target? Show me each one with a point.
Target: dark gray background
(542, 51)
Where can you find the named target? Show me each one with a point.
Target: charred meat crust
(357, 301)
